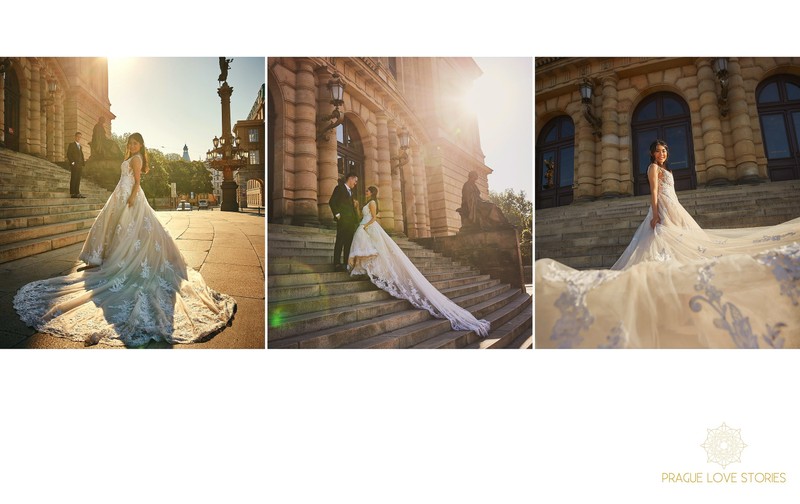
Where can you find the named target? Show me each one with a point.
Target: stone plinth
(494, 253)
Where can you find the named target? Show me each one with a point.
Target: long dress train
(140, 290)
(375, 254)
(678, 286)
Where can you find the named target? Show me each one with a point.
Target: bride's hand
(131, 200)
(656, 220)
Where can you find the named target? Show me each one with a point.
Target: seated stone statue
(478, 214)
(102, 147)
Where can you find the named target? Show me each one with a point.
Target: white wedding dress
(374, 253)
(141, 289)
(678, 286)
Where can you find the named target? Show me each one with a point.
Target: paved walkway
(227, 248)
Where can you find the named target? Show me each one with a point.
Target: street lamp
(402, 157)
(720, 66)
(331, 121)
(586, 89)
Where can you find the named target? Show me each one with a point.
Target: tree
(518, 209)
(189, 177)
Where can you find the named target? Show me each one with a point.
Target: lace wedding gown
(374, 253)
(678, 286)
(141, 289)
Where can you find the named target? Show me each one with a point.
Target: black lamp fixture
(331, 121)
(402, 157)
(720, 66)
(587, 88)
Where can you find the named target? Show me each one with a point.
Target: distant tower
(186, 154)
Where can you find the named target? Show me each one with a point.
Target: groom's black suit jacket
(342, 203)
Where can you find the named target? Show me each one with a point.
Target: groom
(344, 212)
(76, 162)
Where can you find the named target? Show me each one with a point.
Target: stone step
(328, 289)
(407, 337)
(18, 250)
(24, 222)
(520, 326)
(280, 311)
(36, 202)
(322, 240)
(34, 232)
(321, 264)
(295, 251)
(34, 211)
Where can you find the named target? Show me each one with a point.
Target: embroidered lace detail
(731, 318)
(777, 237)
(785, 265)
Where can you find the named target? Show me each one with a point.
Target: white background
(396, 426)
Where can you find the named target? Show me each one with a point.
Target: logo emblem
(724, 445)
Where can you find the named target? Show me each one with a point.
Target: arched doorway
(663, 116)
(778, 100)
(11, 114)
(555, 163)
(350, 154)
(272, 116)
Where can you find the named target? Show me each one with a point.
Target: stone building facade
(44, 101)
(419, 187)
(727, 121)
(251, 134)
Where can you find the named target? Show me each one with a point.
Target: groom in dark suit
(344, 212)
(76, 161)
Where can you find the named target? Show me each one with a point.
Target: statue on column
(478, 214)
(102, 147)
(224, 66)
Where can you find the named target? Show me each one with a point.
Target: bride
(375, 254)
(677, 285)
(136, 286)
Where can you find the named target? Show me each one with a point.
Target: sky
(174, 101)
(503, 102)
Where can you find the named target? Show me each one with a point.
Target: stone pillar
(421, 193)
(397, 197)
(385, 199)
(585, 167)
(410, 198)
(744, 148)
(305, 171)
(716, 171)
(2, 111)
(60, 155)
(35, 111)
(24, 77)
(326, 153)
(610, 169)
(51, 130)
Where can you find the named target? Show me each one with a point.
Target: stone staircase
(594, 235)
(312, 306)
(36, 211)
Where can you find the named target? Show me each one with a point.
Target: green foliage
(518, 209)
(189, 177)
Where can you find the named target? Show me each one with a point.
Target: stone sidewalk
(226, 247)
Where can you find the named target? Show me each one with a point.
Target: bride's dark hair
(653, 147)
(373, 196)
(143, 151)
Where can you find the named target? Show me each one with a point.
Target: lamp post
(586, 89)
(720, 66)
(226, 155)
(330, 121)
(402, 157)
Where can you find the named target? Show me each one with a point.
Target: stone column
(2, 111)
(326, 153)
(397, 197)
(610, 169)
(420, 192)
(385, 199)
(744, 148)
(35, 111)
(51, 130)
(716, 171)
(24, 109)
(305, 171)
(585, 167)
(59, 127)
(409, 190)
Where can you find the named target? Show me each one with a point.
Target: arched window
(350, 154)
(11, 114)
(663, 116)
(555, 163)
(778, 101)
